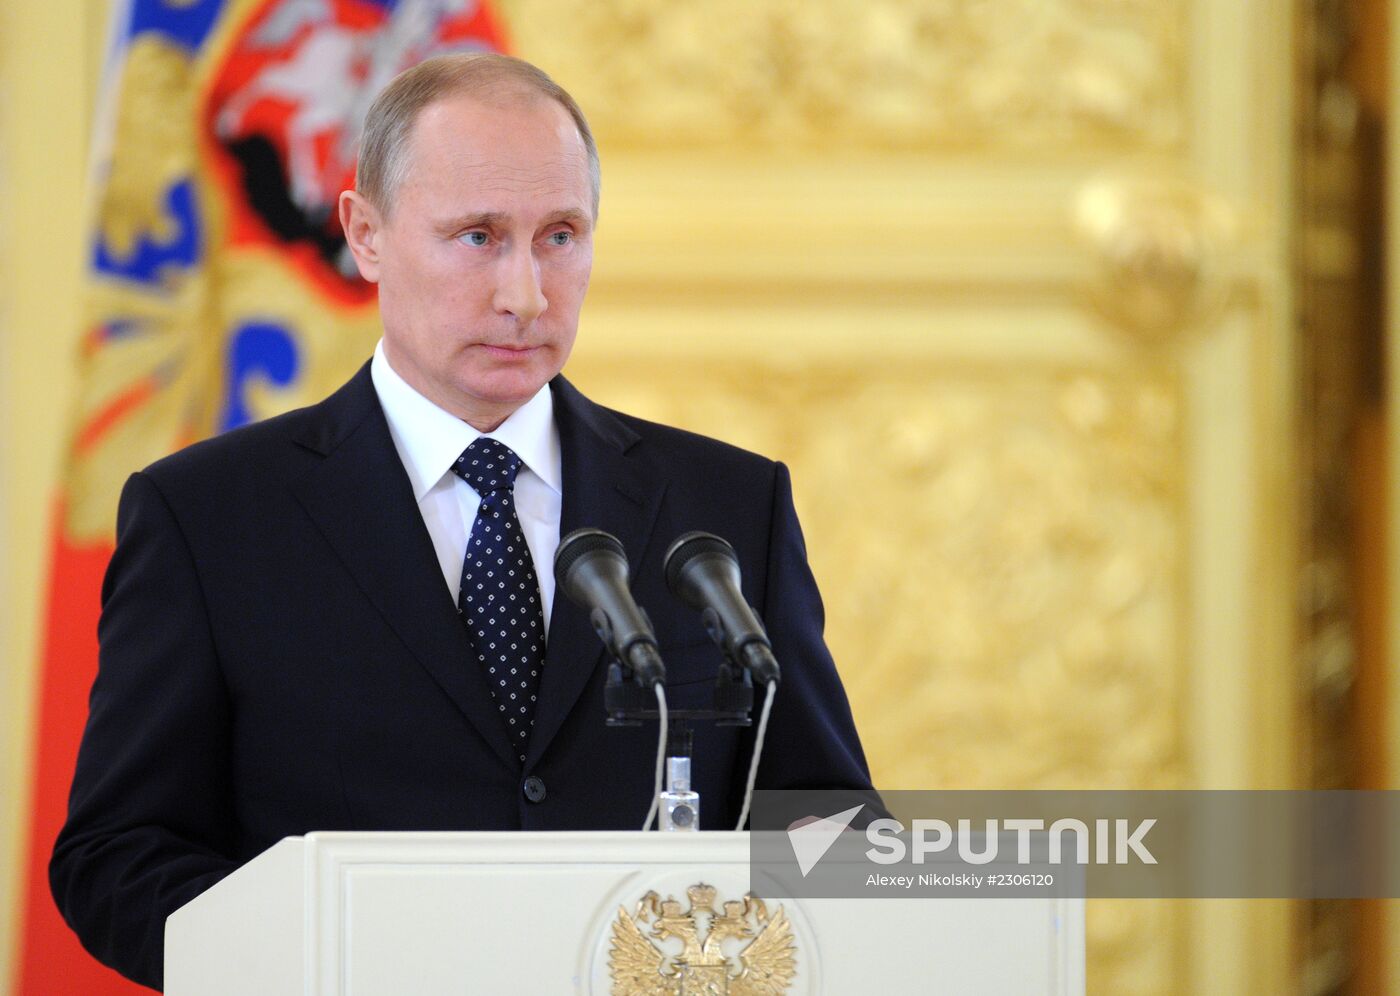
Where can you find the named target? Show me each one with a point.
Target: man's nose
(518, 291)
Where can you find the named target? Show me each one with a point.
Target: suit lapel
(607, 489)
(360, 499)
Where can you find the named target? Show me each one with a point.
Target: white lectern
(399, 914)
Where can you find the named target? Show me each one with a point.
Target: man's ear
(361, 221)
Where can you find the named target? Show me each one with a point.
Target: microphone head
(686, 550)
(586, 544)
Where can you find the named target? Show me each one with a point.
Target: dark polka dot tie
(500, 599)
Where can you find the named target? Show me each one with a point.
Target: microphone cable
(661, 736)
(757, 752)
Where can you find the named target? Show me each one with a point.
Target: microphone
(703, 572)
(591, 568)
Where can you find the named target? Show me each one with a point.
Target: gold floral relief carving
(901, 74)
(999, 553)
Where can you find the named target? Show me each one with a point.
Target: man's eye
(473, 238)
(561, 238)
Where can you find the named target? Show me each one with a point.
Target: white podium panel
(387, 914)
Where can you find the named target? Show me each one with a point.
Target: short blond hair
(384, 157)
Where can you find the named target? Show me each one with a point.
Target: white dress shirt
(429, 441)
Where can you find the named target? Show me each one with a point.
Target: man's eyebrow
(571, 215)
(483, 219)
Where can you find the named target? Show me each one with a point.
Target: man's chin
(495, 399)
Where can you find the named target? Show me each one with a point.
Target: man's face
(484, 258)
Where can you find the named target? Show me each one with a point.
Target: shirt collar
(430, 440)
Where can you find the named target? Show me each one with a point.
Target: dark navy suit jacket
(279, 655)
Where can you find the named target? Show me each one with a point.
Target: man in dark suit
(294, 630)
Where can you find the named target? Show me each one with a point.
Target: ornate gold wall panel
(888, 74)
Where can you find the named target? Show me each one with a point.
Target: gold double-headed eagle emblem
(763, 962)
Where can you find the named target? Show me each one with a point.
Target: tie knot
(488, 465)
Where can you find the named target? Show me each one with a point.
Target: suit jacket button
(534, 788)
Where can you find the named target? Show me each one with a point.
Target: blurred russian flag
(219, 291)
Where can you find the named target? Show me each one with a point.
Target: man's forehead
(535, 141)
(493, 191)
(473, 118)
